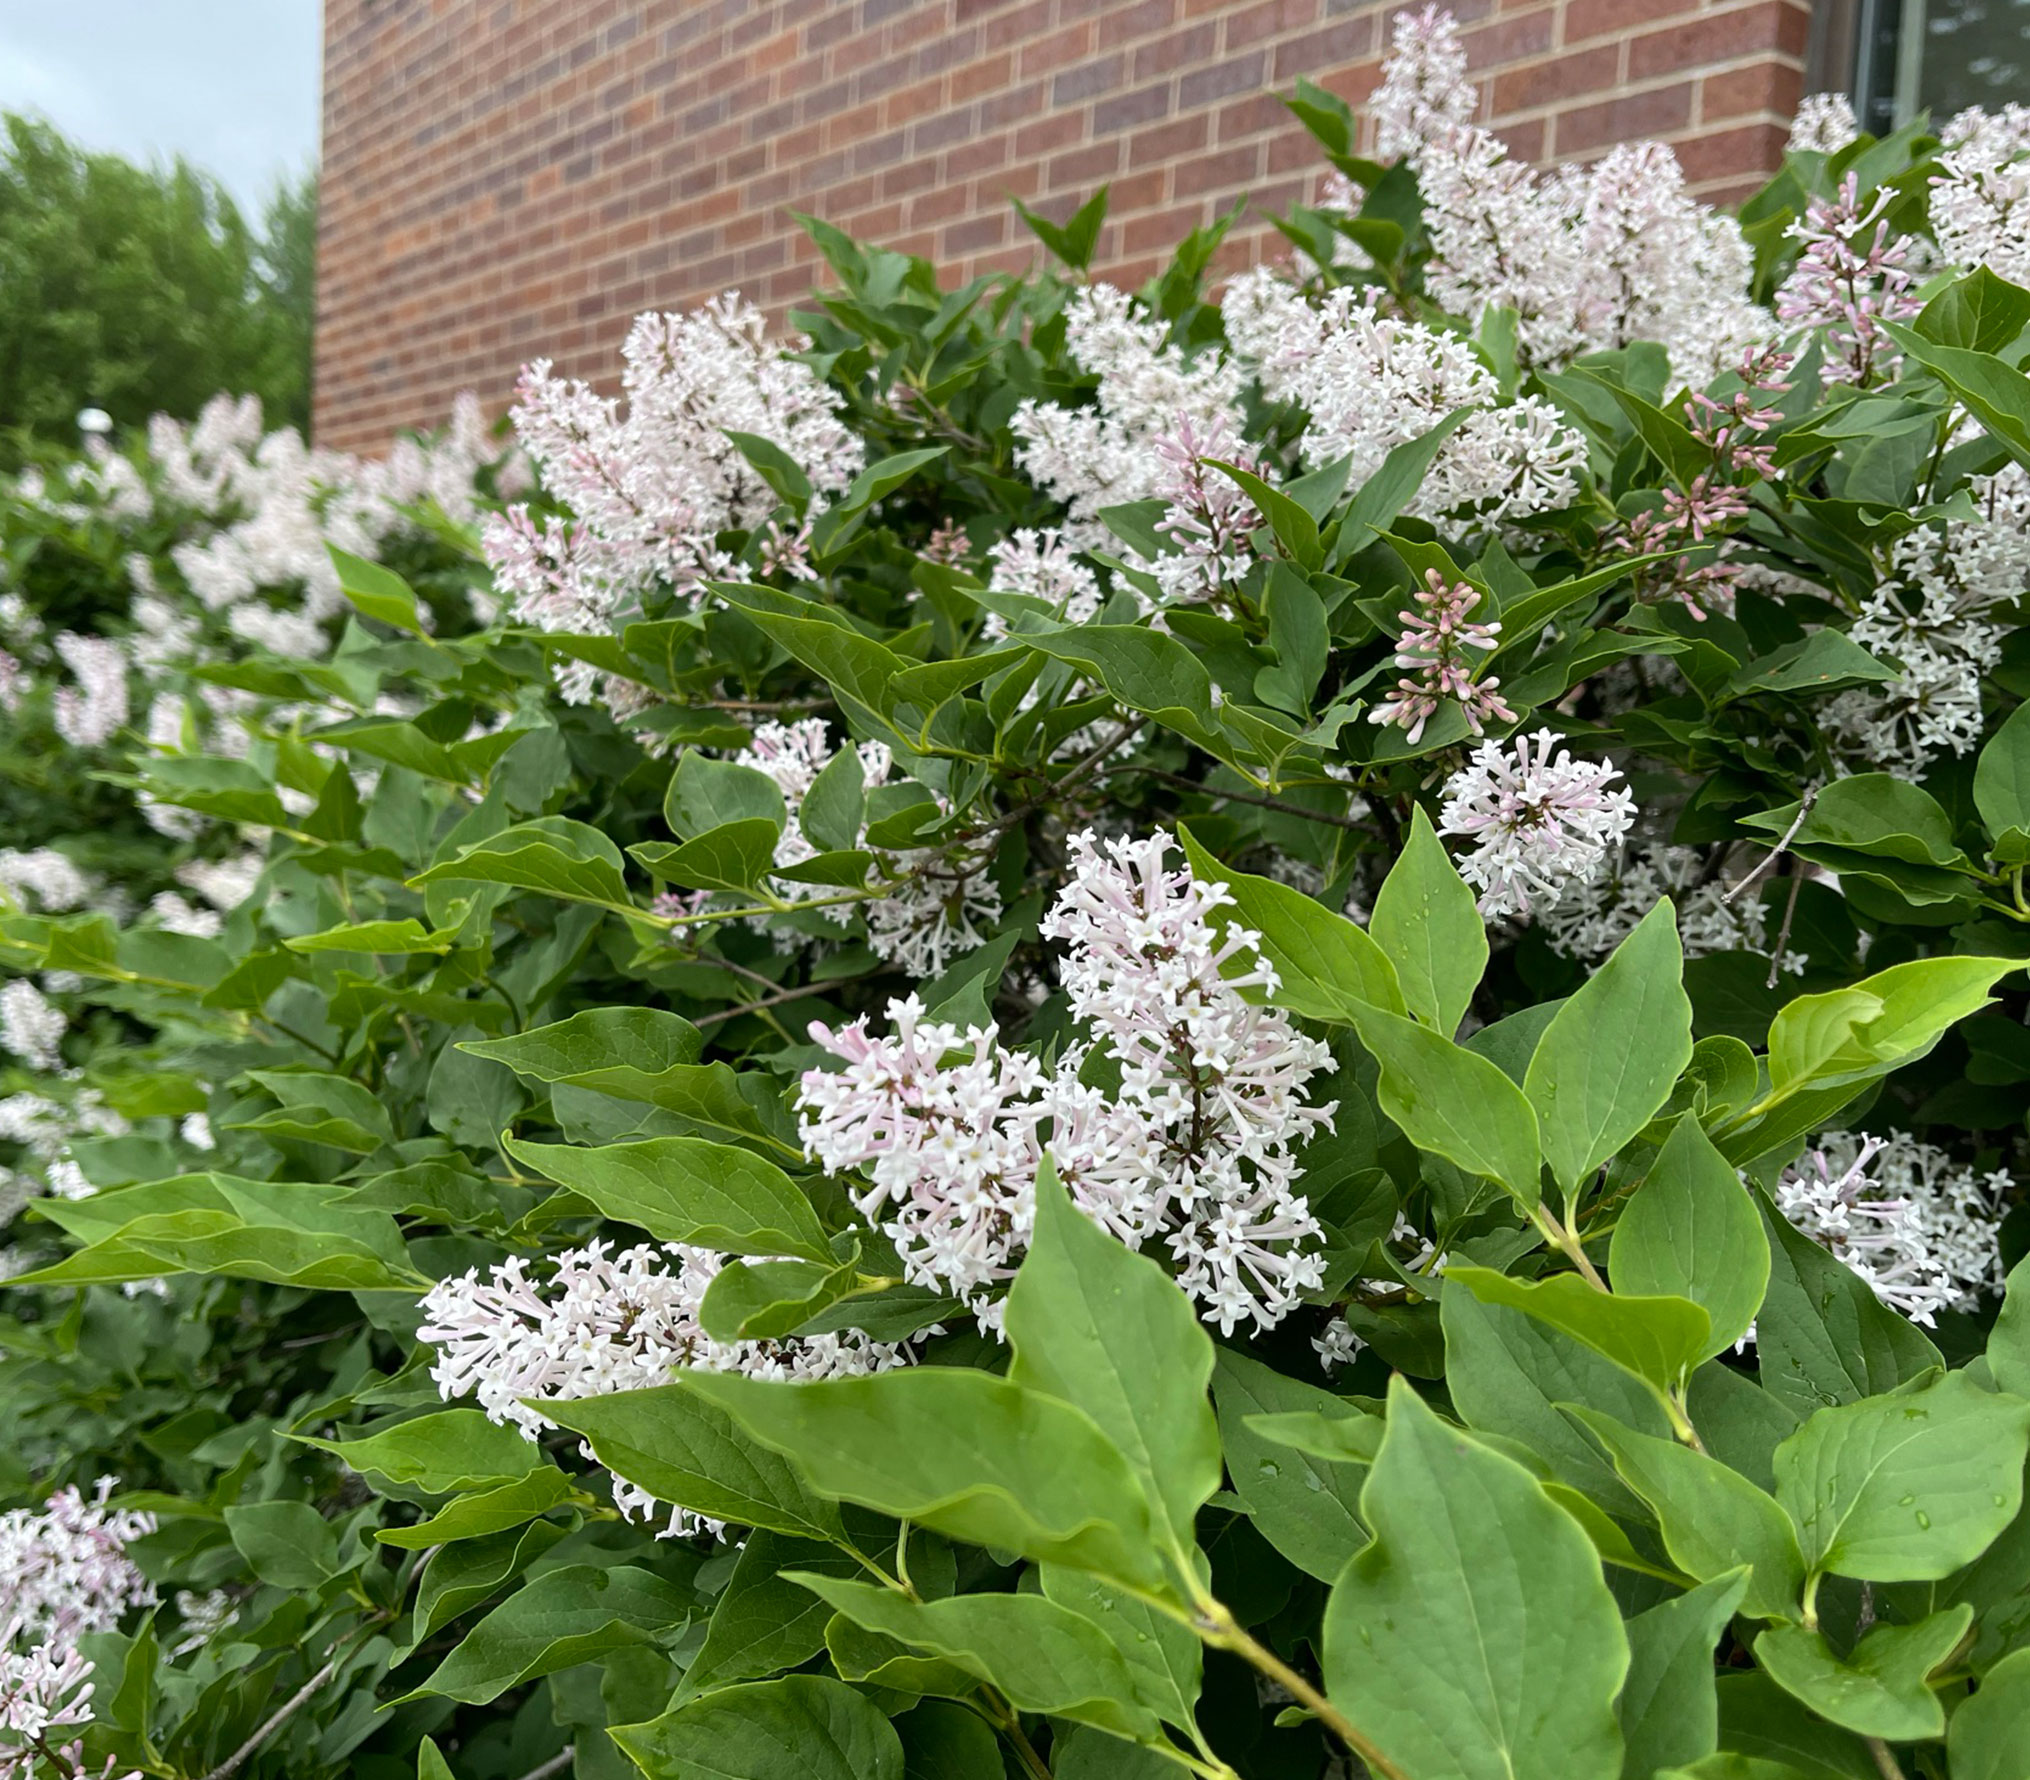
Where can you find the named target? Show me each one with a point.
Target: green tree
(135, 289)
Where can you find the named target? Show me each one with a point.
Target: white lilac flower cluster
(936, 901)
(51, 878)
(1180, 1118)
(64, 1572)
(1540, 822)
(31, 1028)
(650, 490)
(1041, 565)
(1589, 257)
(1369, 381)
(1825, 124)
(1149, 388)
(1980, 208)
(1936, 617)
(1594, 915)
(45, 1129)
(606, 1321)
(1923, 1232)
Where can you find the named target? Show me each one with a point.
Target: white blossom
(1371, 381)
(1042, 565)
(1539, 822)
(650, 490)
(1594, 915)
(30, 1027)
(64, 1569)
(50, 877)
(1197, 1143)
(1922, 1232)
(1824, 124)
(1980, 208)
(602, 1322)
(1105, 455)
(89, 713)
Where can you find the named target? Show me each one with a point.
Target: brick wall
(506, 179)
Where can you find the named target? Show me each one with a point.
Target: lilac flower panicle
(1923, 1233)
(1540, 822)
(606, 1321)
(1197, 1145)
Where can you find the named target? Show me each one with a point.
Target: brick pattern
(511, 178)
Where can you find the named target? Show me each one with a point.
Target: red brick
(1654, 113)
(502, 181)
(1720, 36)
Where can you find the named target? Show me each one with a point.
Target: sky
(231, 85)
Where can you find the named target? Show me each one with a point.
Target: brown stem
(1885, 1759)
(1804, 806)
(1219, 1628)
(281, 1716)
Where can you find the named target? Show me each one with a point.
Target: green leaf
(1712, 1518)
(774, 466)
(287, 1544)
(1298, 634)
(1985, 1740)
(974, 1457)
(430, 1762)
(1294, 529)
(552, 854)
(1427, 922)
(1886, 1020)
(705, 794)
(460, 1576)
(685, 1189)
(735, 857)
(1327, 965)
(945, 1741)
(2002, 777)
(1977, 312)
(762, 1622)
(1658, 1340)
(443, 1453)
(1073, 240)
(1043, 1657)
(765, 1300)
(1144, 669)
(835, 807)
(1307, 1507)
(564, 1617)
(1108, 1330)
(376, 591)
(1164, 1659)
(1669, 1711)
(1821, 1335)
(321, 1108)
(1453, 1103)
(485, 1512)
(1692, 1231)
(383, 938)
(1610, 1056)
(803, 1727)
(2009, 1340)
(683, 1450)
(1905, 1488)
(1997, 396)
(637, 1040)
(1818, 663)
(1879, 1689)
(1475, 1637)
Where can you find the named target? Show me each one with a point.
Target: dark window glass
(1939, 56)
